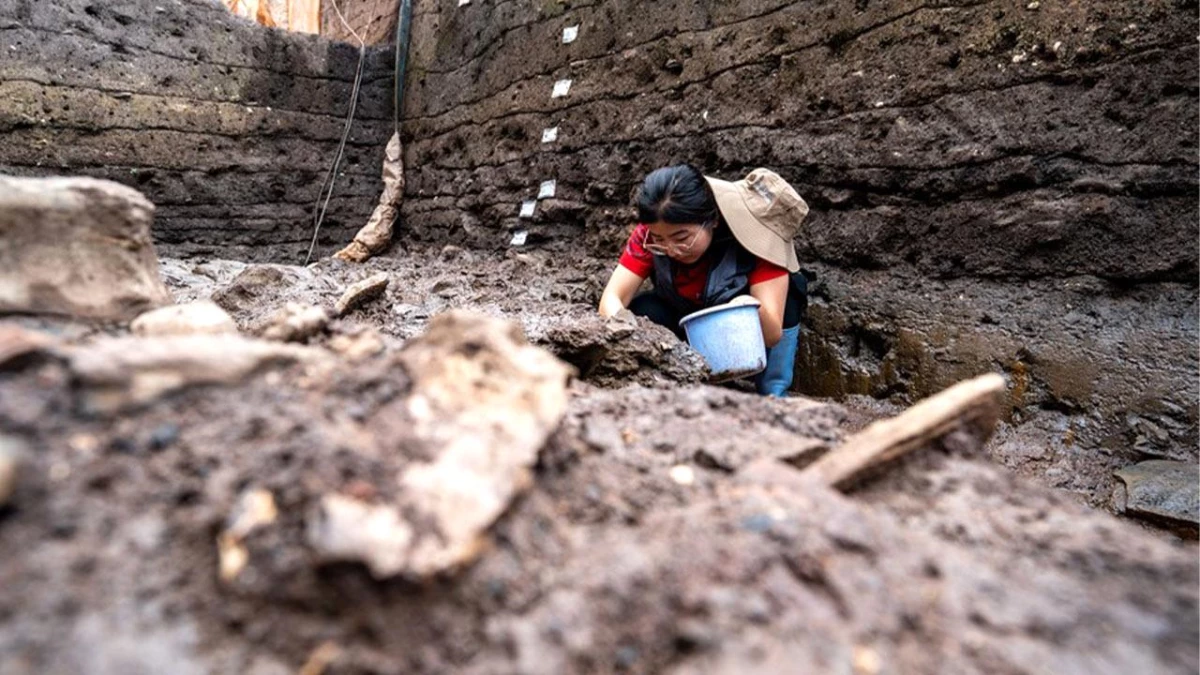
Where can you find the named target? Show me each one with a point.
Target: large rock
(76, 246)
(483, 403)
(487, 400)
(618, 351)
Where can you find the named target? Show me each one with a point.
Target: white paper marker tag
(550, 135)
(561, 88)
(527, 208)
(548, 189)
(569, 34)
(519, 237)
(463, 2)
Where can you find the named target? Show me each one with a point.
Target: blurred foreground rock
(17, 343)
(358, 344)
(202, 317)
(296, 322)
(121, 373)
(483, 402)
(76, 246)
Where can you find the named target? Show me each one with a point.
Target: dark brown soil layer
(980, 139)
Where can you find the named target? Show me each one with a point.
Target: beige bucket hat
(764, 213)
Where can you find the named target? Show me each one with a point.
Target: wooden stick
(977, 401)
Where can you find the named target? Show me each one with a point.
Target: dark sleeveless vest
(728, 276)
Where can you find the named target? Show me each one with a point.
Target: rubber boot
(781, 362)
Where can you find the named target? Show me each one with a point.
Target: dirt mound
(554, 306)
(182, 535)
(619, 351)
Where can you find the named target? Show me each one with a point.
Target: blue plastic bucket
(730, 339)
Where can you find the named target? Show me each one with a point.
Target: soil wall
(373, 20)
(980, 139)
(228, 127)
(995, 185)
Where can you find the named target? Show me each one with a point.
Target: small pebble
(86, 444)
(59, 471)
(759, 522)
(163, 436)
(122, 445)
(626, 657)
(683, 474)
(866, 661)
(757, 609)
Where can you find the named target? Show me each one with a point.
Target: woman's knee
(656, 309)
(793, 307)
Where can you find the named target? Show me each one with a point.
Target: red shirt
(689, 279)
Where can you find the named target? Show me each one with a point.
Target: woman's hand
(773, 296)
(743, 300)
(619, 292)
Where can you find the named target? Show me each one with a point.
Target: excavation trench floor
(654, 536)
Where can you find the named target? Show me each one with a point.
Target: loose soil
(665, 529)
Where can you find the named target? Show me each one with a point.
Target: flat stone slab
(1160, 488)
(361, 293)
(482, 404)
(121, 373)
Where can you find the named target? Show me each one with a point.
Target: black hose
(403, 30)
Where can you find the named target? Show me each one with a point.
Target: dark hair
(678, 195)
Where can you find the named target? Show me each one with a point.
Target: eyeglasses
(669, 247)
